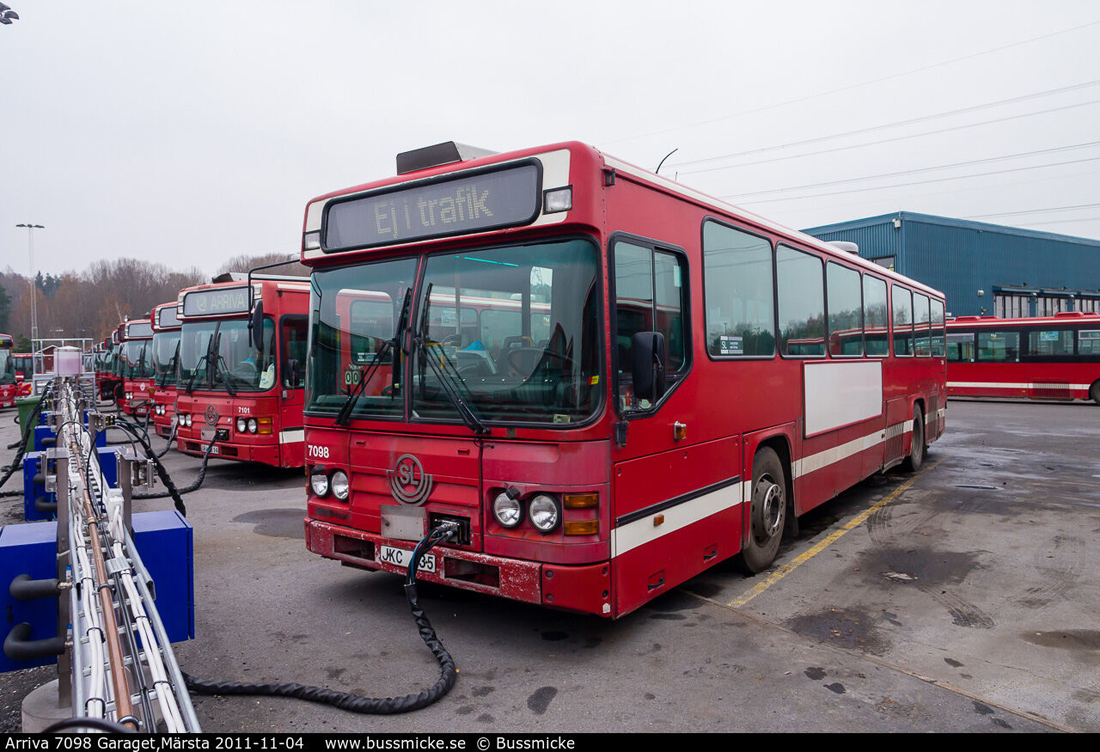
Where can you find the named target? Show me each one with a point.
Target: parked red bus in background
(667, 393)
(136, 358)
(1046, 358)
(106, 364)
(166, 350)
(241, 369)
(9, 389)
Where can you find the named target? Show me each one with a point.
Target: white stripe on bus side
(642, 531)
(1008, 385)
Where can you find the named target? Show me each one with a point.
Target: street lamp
(34, 293)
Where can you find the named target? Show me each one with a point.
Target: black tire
(917, 447)
(768, 513)
(1094, 391)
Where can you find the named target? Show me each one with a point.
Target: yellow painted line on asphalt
(786, 569)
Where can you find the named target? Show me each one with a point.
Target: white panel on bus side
(841, 393)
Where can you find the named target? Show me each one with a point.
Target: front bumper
(584, 588)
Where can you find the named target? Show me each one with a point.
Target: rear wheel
(916, 450)
(768, 513)
(1094, 391)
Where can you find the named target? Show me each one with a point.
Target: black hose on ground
(32, 421)
(355, 703)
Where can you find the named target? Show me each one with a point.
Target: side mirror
(256, 327)
(293, 373)
(650, 353)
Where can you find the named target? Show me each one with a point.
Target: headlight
(340, 485)
(185, 420)
(242, 425)
(253, 426)
(318, 482)
(507, 511)
(544, 512)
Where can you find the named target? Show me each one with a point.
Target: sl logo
(409, 484)
(211, 415)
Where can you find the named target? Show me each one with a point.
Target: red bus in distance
(136, 361)
(608, 382)
(241, 369)
(166, 348)
(9, 388)
(1045, 358)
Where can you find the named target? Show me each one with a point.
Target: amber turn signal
(581, 527)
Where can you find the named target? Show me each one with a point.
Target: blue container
(165, 542)
(108, 460)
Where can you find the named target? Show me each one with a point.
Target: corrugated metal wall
(961, 257)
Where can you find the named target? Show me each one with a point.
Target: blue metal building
(982, 268)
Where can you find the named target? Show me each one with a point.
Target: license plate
(214, 449)
(402, 558)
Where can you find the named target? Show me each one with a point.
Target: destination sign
(166, 317)
(463, 204)
(215, 302)
(139, 330)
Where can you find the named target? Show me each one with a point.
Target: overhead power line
(916, 182)
(849, 87)
(872, 129)
(1035, 211)
(919, 170)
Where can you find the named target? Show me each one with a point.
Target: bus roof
(225, 299)
(554, 175)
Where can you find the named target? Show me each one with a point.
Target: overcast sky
(187, 133)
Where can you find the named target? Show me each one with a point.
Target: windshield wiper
(447, 382)
(171, 366)
(191, 383)
(225, 370)
(343, 417)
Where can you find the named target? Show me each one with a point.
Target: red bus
(136, 361)
(1046, 358)
(105, 365)
(166, 350)
(241, 369)
(9, 388)
(655, 384)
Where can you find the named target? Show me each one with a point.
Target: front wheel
(916, 450)
(769, 511)
(1094, 391)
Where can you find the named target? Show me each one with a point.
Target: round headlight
(545, 513)
(253, 426)
(318, 482)
(186, 420)
(340, 485)
(507, 511)
(242, 425)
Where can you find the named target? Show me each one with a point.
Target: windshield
(233, 365)
(513, 331)
(137, 359)
(164, 356)
(7, 367)
(354, 312)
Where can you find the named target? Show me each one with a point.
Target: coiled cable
(355, 703)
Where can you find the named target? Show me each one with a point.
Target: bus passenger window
(845, 311)
(738, 289)
(999, 347)
(876, 317)
(801, 303)
(1056, 343)
(938, 329)
(903, 322)
(922, 319)
(1088, 343)
(960, 348)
